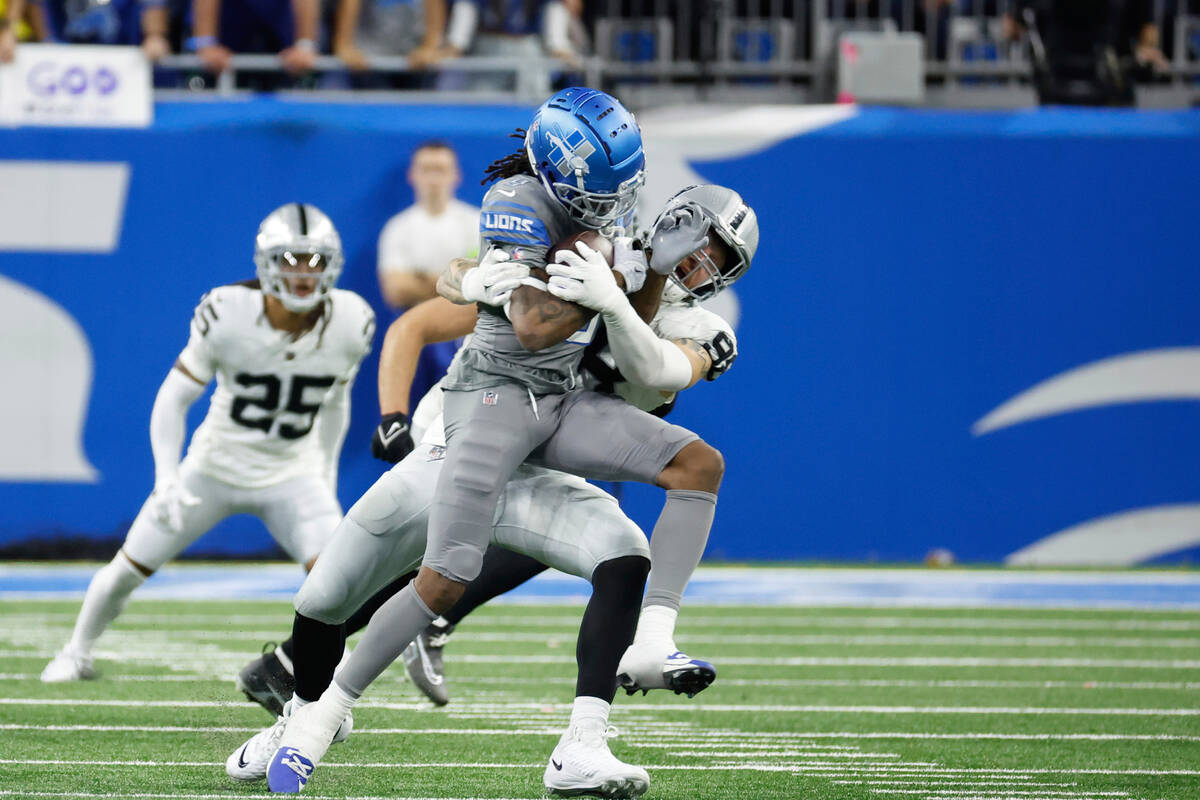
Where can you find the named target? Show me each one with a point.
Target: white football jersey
(262, 424)
(673, 321)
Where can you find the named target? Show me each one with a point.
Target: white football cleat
(249, 762)
(582, 764)
(69, 665)
(647, 666)
(301, 748)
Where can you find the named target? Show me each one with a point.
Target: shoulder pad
(517, 210)
(218, 306)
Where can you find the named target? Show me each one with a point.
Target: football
(592, 239)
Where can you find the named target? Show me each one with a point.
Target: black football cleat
(266, 681)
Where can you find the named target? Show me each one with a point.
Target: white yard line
(226, 659)
(775, 640)
(487, 708)
(717, 739)
(814, 767)
(687, 624)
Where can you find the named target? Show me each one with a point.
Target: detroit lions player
(284, 350)
(582, 761)
(515, 389)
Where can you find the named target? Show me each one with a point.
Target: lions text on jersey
(261, 425)
(520, 217)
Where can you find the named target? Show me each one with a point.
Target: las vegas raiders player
(355, 565)
(284, 350)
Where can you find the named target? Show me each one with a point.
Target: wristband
(307, 45)
(195, 43)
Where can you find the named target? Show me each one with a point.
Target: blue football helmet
(587, 149)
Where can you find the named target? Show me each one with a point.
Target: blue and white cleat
(249, 762)
(646, 666)
(302, 746)
(289, 770)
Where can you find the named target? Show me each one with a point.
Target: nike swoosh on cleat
(557, 765)
(242, 763)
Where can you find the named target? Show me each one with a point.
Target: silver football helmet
(298, 255)
(734, 223)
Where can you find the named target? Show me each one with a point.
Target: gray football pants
(560, 520)
(490, 432)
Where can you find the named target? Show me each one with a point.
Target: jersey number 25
(268, 402)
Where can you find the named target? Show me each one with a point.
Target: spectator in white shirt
(418, 244)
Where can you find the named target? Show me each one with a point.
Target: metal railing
(650, 50)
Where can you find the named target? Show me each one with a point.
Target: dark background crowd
(1085, 51)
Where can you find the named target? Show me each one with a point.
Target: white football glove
(170, 499)
(629, 263)
(493, 281)
(585, 279)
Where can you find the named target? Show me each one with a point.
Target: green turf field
(886, 704)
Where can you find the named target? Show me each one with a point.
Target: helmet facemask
(299, 277)
(598, 209)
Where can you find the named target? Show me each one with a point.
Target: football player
(284, 350)
(581, 762)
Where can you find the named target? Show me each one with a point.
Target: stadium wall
(969, 331)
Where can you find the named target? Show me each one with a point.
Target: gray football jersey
(520, 217)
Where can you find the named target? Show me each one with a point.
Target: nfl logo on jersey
(490, 398)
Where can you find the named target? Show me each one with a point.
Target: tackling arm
(436, 320)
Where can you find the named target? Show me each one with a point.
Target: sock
(608, 624)
(656, 624)
(359, 619)
(318, 647)
(106, 597)
(677, 544)
(333, 706)
(392, 628)
(298, 702)
(503, 570)
(589, 713)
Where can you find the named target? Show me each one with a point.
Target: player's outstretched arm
(168, 424)
(436, 320)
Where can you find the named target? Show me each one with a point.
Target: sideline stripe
(478, 708)
(719, 739)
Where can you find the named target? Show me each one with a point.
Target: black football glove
(392, 440)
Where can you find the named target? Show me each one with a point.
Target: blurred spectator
(1085, 52)
(418, 244)
(221, 28)
(365, 28)
(19, 23)
(519, 29)
(119, 22)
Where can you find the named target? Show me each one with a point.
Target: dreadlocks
(513, 164)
